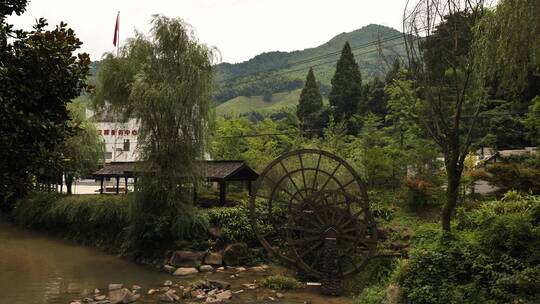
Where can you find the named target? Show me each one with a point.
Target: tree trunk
(69, 183)
(453, 177)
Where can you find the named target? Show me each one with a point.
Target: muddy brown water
(37, 268)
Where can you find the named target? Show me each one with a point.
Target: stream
(36, 268)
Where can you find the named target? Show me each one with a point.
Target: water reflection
(39, 269)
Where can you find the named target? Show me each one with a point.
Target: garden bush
(235, 223)
(520, 175)
(492, 257)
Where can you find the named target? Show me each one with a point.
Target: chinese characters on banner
(113, 132)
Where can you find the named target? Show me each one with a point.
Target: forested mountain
(263, 81)
(275, 72)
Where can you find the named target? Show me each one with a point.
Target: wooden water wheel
(310, 209)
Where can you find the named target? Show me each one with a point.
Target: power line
(317, 58)
(301, 69)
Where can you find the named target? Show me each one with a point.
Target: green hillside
(246, 104)
(276, 72)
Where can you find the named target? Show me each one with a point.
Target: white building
(120, 140)
(120, 137)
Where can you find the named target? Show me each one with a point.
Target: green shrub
(380, 204)
(376, 279)
(522, 176)
(235, 223)
(492, 257)
(97, 220)
(279, 282)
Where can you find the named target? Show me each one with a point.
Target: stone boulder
(185, 258)
(169, 268)
(206, 268)
(236, 254)
(215, 259)
(184, 271)
(115, 286)
(225, 295)
(122, 295)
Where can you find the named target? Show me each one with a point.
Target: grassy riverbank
(93, 220)
(102, 221)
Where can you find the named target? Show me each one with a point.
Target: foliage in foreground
(493, 257)
(39, 75)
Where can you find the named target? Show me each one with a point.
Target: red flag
(116, 29)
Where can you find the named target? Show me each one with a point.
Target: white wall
(115, 135)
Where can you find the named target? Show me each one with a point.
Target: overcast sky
(240, 29)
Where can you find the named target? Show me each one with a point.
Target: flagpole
(118, 41)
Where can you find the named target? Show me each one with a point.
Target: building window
(108, 155)
(126, 144)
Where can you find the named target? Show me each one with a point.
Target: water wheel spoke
(318, 218)
(368, 242)
(353, 229)
(304, 240)
(304, 229)
(330, 177)
(291, 179)
(349, 237)
(313, 223)
(282, 188)
(346, 223)
(303, 173)
(316, 172)
(317, 259)
(310, 249)
(340, 219)
(347, 184)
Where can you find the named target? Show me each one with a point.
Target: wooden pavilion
(218, 171)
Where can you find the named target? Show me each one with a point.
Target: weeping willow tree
(165, 81)
(508, 44)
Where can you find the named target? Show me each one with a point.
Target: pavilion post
(249, 188)
(222, 192)
(117, 185)
(101, 187)
(126, 183)
(134, 184)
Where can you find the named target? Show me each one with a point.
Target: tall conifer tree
(346, 85)
(310, 103)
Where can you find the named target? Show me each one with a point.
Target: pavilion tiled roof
(229, 169)
(121, 169)
(216, 170)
